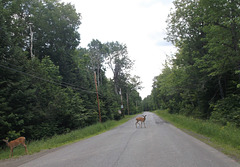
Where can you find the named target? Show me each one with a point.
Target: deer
(14, 143)
(142, 120)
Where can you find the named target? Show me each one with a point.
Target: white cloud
(140, 24)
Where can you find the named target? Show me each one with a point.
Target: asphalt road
(158, 145)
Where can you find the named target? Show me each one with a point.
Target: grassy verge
(223, 138)
(60, 140)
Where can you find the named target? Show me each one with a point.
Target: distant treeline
(47, 81)
(203, 78)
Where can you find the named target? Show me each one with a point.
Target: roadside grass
(64, 139)
(224, 138)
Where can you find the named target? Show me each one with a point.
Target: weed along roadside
(64, 139)
(223, 138)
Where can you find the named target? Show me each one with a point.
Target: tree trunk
(220, 88)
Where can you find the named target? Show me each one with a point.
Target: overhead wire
(65, 84)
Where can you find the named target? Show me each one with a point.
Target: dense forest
(202, 79)
(47, 79)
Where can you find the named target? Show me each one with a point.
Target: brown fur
(142, 120)
(14, 143)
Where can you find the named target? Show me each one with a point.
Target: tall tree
(222, 41)
(118, 61)
(204, 74)
(51, 92)
(54, 26)
(97, 52)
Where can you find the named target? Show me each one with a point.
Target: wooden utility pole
(99, 112)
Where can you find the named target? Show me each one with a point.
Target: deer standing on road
(142, 120)
(15, 143)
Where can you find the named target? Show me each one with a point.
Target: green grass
(60, 140)
(223, 138)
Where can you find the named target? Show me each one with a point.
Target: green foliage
(202, 78)
(53, 92)
(119, 63)
(227, 110)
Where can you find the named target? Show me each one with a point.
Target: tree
(29, 88)
(55, 34)
(204, 74)
(118, 61)
(222, 41)
(52, 92)
(97, 53)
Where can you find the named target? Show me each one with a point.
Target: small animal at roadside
(14, 143)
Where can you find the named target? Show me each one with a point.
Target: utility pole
(99, 112)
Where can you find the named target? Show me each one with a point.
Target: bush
(227, 110)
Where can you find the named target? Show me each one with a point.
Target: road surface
(158, 145)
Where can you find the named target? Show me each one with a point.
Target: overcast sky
(140, 24)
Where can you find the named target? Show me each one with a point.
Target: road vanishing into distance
(158, 145)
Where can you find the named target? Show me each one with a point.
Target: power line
(46, 80)
(62, 83)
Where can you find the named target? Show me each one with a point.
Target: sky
(140, 24)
